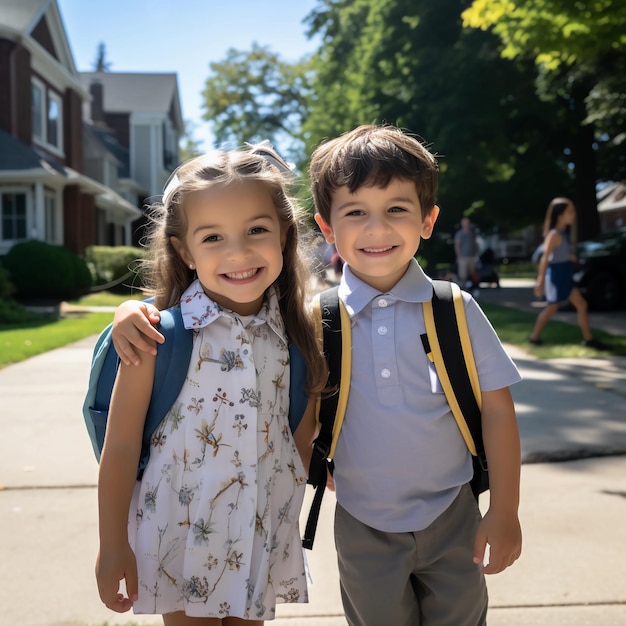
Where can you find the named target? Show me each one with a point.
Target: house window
(38, 98)
(47, 115)
(54, 120)
(13, 216)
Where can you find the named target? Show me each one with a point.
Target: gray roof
(22, 15)
(138, 92)
(17, 156)
(106, 137)
(19, 18)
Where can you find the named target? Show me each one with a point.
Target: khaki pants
(465, 269)
(424, 578)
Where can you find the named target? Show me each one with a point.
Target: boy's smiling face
(377, 231)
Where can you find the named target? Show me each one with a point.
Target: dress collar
(198, 310)
(414, 286)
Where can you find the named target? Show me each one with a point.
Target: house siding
(5, 79)
(80, 219)
(120, 123)
(41, 34)
(73, 130)
(612, 220)
(15, 73)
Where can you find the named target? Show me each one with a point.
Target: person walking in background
(210, 531)
(555, 277)
(465, 249)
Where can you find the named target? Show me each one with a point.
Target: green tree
(554, 32)
(255, 95)
(411, 63)
(189, 147)
(580, 51)
(101, 64)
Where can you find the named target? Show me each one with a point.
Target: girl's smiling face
(234, 241)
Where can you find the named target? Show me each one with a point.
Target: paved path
(572, 571)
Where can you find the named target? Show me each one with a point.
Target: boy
(408, 532)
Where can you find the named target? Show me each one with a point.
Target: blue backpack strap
(104, 364)
(171, 367)
(170, 372)
(298, 399)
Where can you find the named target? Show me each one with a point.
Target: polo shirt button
(385, 373)
(382, 330)
(382, 303)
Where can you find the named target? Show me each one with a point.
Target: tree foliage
(526, 104)
(580, 50)
(188, 146)
(554, 32)
(101, 64)
(411, 63)
(255, 95)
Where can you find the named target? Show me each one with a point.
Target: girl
(209, 535)
(556, 272)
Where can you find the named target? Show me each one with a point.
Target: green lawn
(561, 340)
(19, 342)
(105, 298)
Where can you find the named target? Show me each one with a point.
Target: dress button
(385, 373)
(382, 330)
(382, 303)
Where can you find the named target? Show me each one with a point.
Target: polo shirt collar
(414, 286)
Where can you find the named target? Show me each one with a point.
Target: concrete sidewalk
(572, 571)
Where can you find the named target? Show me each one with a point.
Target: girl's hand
(538, 289)
(112, 566)
(504, 536)
(133, 329)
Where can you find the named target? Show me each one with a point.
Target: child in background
(409, 535)
(209, 535)
(555, 278)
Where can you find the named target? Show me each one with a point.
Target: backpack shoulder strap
(333, 326)
(449, 347)
(104, 365)
(337, 342)
(171, 367)
(298, 398)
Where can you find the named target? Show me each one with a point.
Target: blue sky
(183, 36)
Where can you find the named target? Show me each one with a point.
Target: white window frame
(55, 98)
(4, 239)
(47, 98)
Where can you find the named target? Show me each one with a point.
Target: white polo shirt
(400, 459)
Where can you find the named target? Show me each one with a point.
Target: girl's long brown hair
(168, 275)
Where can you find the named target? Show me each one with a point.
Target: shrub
(7, 288)
(12, 313)
(41, 271)
(115, 264)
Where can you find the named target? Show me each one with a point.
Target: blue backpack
(171, 367)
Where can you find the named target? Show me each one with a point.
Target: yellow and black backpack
(446, 343)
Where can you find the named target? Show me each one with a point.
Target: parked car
(602, 274)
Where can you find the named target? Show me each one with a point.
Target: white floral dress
(214, 519)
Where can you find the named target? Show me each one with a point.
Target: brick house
(612, 207)
(66, 178)
(142, 111)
